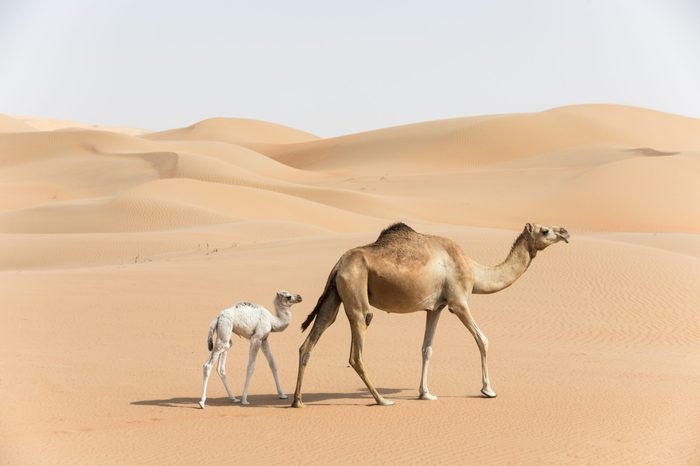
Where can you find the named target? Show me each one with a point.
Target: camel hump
(394, 230)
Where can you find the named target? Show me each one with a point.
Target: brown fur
(405, 271)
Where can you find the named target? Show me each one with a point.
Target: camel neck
(281, 319)
(490, 279)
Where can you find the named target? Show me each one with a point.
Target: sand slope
(236, 131)
(119, 246)
(463, 143)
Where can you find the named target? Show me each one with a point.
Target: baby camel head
(540, 236)
(285, 298)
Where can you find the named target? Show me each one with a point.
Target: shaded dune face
(119, 245)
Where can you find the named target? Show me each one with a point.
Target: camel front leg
(462, 311)
(358, 328)
(252, 355)
(273, 367)
(431, 321)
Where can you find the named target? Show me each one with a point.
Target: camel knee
(304, 355)
(324, 320)
(427, 352)
(222, 346)
(356, 363)
(482, 341)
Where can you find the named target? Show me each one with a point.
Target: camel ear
(529, 227)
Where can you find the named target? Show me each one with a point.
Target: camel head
(540, 236)
(286, 298)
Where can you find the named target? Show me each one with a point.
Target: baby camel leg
(252, 354)
(462, 311)
(431, 321)
(273, 367)
(206, 372)
(221, 370)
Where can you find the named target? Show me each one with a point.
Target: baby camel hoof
(245, 402)
(488, 393)
(427, 396)
(283, 396)
(234, 400)
(297, 404)
(385, 402)
(201, 404)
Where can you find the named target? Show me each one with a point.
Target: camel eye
(545, 231)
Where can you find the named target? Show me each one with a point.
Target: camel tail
(212, 329)
(329, 297)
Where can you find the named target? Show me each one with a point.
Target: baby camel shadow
(267, 401)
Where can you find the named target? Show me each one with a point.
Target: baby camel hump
(246, 319)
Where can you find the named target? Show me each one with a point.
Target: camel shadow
(272, 401)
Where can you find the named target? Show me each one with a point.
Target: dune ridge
(120, 245)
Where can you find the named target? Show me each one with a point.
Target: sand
(120, 245)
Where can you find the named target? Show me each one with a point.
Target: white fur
(252, 322)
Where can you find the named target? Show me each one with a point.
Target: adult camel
(405, 271)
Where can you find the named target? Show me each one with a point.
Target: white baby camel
(253, 322)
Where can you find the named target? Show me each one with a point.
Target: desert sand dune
(237, 131)
(51, 124)
(464, 143)
(120, 245)
(10, 124)
(681, 243)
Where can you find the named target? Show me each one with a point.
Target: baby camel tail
(405, 271)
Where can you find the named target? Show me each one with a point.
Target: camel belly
(395, 293)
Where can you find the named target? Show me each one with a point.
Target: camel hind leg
(206, 372)
(358, 327)
(352, 288)
(326, 316)
(221, 370)
(218, 356)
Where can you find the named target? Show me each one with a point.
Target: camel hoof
(488, 393)
(283, 396)
(385, 402)
(201, 404)
(297, 404)
(427, 396)
(245, 402)
(234, 400)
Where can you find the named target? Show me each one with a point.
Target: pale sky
(331, 67)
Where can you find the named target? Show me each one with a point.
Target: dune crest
(464, 143)
(237, 131)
